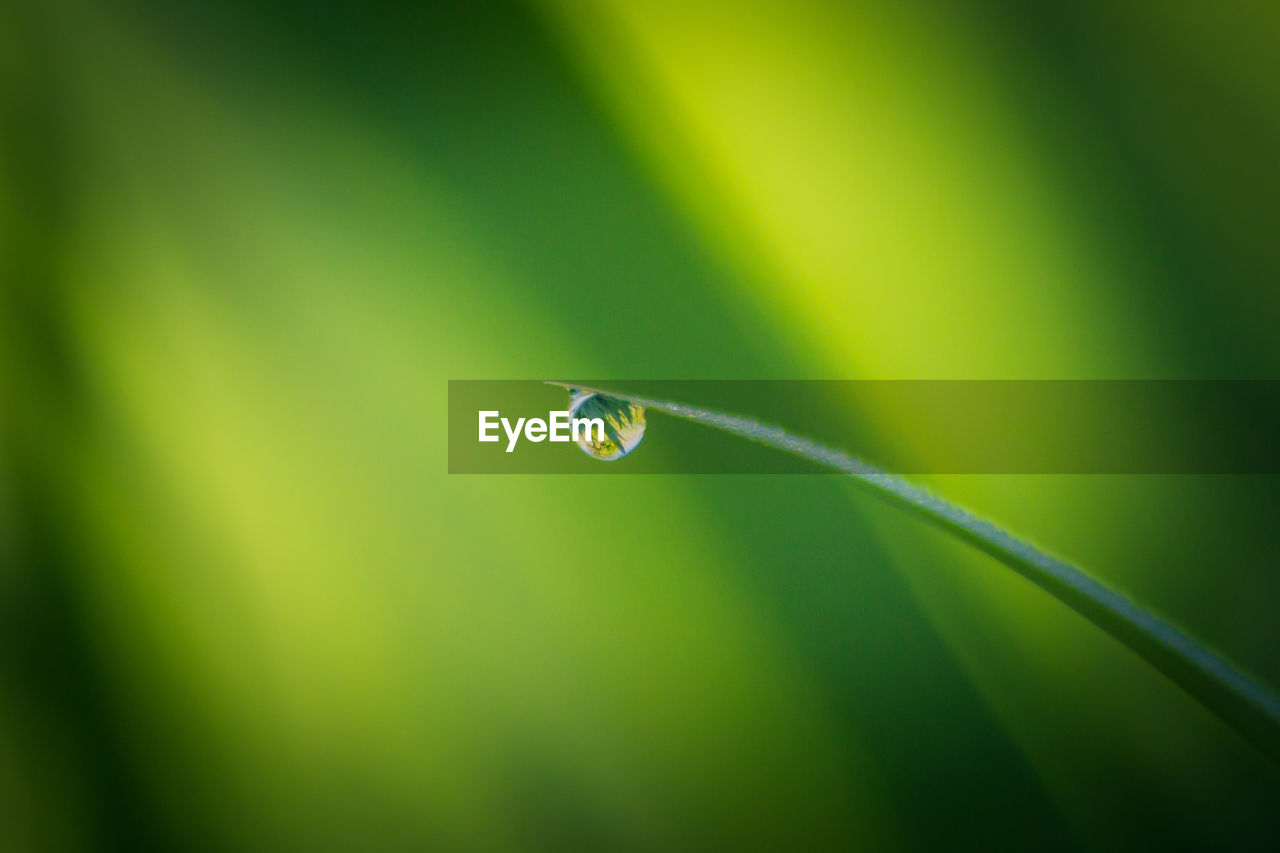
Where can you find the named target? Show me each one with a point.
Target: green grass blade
(1243, 703)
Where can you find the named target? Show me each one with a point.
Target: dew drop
(623, 424)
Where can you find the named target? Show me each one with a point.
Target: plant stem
(1240, 701)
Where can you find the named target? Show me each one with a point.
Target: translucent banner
(921, 427)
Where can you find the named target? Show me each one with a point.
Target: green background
(244, 245)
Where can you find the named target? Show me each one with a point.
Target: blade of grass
(1241, 702)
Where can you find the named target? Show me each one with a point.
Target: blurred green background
(244, 245)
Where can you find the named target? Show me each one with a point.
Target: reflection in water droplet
(623, 425)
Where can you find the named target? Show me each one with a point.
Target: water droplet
(623, 424)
